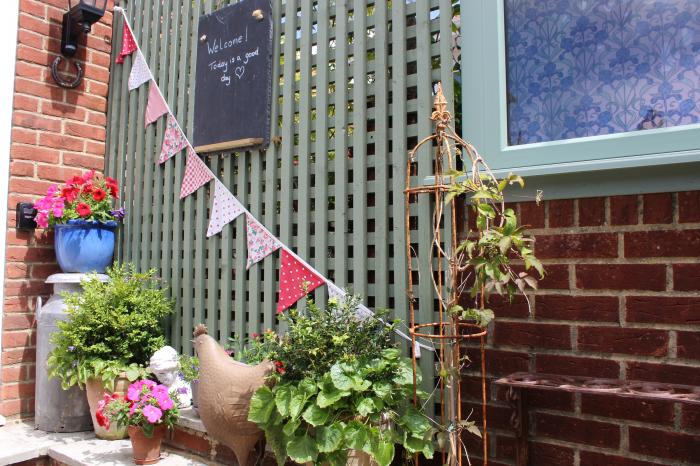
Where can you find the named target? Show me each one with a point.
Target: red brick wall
(621, 300)
(56, 133)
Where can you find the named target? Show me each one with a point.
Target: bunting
(197, 174)
(296, 280)
(173, 140)
(140, 72)
(224, 210)
(335, 292)
(156, 106)
(128, 43)
(261, 243)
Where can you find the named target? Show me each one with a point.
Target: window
(572, 86)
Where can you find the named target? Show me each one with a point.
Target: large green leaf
(366, 406)
(307, 387)
(261, 406)
(275, 438)
(414, 444)
(302, 449)
(291, 427)
(283, 395)
(404, 373)
(382, 450)
(356, 435)
(382, 389)
(329, 438)
(297, 401)
(315, 415)
(341, 377)
(329, 394)
(414, 421)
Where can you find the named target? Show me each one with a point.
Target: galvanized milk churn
(57, 410)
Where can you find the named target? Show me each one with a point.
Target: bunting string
(297, 277)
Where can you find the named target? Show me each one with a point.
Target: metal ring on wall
(60, 81)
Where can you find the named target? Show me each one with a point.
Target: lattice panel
(353, 95)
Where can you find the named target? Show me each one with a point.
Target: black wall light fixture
(77, 21)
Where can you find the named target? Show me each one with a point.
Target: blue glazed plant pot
(83, 246)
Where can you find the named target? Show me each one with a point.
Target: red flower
(70, 194)
(279, 367)
(76, 181)
(112, 186)
(83, 209)
(101, 419)
(88, 188)
(98, 194)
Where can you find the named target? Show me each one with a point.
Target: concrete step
(115, 453)
(21, 442)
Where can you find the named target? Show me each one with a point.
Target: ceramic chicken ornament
(225, 389)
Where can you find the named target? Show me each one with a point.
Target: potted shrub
(342, 392)
(189, 372)
(111, 331)
(148, 411)
(84, 219)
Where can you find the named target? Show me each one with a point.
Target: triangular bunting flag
(140, 72)
(296, 280)
(261, 243)
(335, 292)
(156, 106)
(224, 209)
(363, 312)
(173, 141)
(197, 174)
(128, 43)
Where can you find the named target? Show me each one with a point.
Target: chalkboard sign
(234, 77)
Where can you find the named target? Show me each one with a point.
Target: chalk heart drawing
(239, 71)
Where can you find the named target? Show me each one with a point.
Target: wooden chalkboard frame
(233, 87)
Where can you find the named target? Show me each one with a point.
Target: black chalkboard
(234, 77)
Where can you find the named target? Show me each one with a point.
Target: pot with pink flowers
(84, 219)
(148, 411)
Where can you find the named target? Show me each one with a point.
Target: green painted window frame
(485, 123)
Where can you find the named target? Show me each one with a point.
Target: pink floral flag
(173, 141)
(128, 43)
(197, 174)
(140, 72)
(156, 106)
(261, 243)
(296, 280)
(225, 208)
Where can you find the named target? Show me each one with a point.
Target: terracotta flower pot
(95, 392)
(146, 450)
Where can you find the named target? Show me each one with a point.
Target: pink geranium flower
(152, 413)
(133, 393)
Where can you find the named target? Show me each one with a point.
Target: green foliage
(498, 244)
(365, 405)
(342, 386)
(318, 338)
(189, 367)
(112, 327)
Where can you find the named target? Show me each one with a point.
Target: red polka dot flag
(128, 44)
(296, 280)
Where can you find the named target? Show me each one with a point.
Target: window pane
(580, 68)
